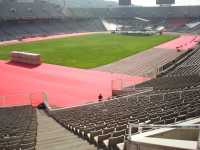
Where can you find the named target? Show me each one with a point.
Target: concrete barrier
(24, 57)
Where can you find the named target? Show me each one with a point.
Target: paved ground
(52, 136)
(142, 64)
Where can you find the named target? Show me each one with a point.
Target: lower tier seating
(18, 128)
(106, 123)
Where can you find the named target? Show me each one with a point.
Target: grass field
(87, 51)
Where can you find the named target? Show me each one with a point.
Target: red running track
(184, 42)
(65, 86)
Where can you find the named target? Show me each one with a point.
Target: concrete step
(59, 140)
(43, 138)
(52, 136)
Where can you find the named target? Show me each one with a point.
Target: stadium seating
(18, 128)
(25, 19)
(174, 98)
(105, 123)
(189, 66)
(25, 29)
(16, 29)
(172, 82)
(192, 26)
(11, 10)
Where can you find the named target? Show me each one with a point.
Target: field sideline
(87, 51)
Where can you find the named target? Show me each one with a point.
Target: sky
(153, 2)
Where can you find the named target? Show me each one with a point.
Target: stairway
(52, 136)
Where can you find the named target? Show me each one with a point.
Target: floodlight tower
(64, 3)
(166, 3)
(124, 2)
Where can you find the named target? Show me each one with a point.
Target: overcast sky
(153, 2)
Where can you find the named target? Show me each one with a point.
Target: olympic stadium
(99, 75)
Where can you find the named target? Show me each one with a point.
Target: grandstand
(41, 18)
(151, 112)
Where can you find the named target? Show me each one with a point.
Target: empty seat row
(106, 120)
(18, 128)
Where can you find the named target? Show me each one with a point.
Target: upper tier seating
(18, 128)
(11, 10)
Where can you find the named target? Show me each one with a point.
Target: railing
(141, 126)
(182, 67)
(179, 92)
(136, 95)
(152, 73)
(120, 84)
(103, 101)
(133, 88)
(174, 63)
(33, 99)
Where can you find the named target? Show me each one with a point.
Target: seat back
(95, 133)
(103, 137)
(108, 130)
(121, 127)
(113, 141)
(119, 133)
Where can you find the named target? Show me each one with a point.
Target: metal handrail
(115, 98)
(137, 95)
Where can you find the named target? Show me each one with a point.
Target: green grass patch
(87, 51)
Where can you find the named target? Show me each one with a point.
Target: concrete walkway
(141, 64)
(52, 136)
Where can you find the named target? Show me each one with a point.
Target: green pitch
(87, 51)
